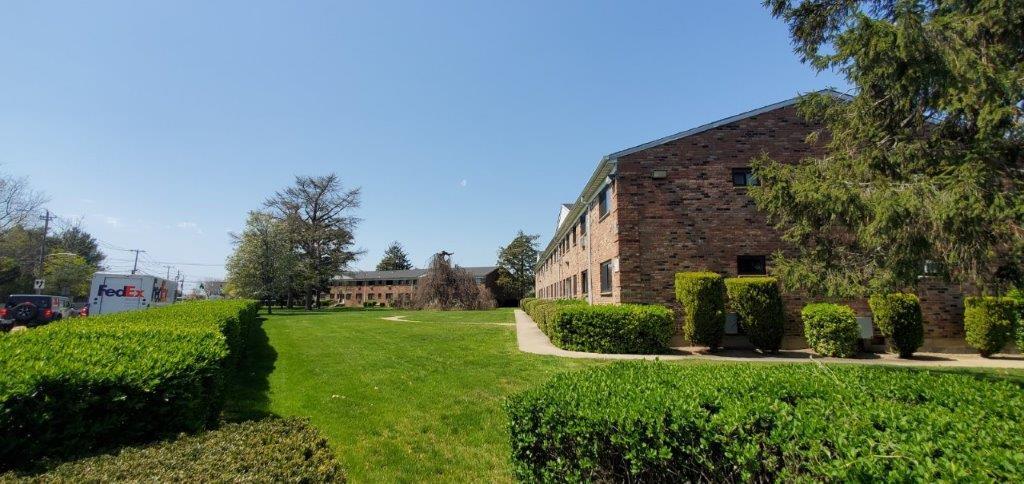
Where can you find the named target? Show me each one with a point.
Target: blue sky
(163, 123)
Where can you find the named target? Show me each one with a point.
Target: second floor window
(743, 177)
(751, 265)
(603, 203)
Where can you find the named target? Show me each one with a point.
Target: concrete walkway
(532, 340)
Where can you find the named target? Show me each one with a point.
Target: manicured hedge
(758, 303)
(831, 329)
(657, 422)
(573, 324)
(271, 450)
(627, 328)
(989, 323)
(83, 385)
(702, 295)
(1018, 296)
(898, 317)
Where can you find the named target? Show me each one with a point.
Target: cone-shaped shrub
(898, 317)
(831, 329)
(759, 305)
(989, 323)
(702, 296)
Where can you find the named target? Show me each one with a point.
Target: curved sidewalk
(532, 340)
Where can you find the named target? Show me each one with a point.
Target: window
(606, 277)
(584, 283)
(574, 285)
(743, 177)
(751, 265)
(583, 223)
(574, 236)
(602, 202)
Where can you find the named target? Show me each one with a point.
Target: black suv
(33, 310)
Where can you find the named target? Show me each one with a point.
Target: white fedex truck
(113, 293)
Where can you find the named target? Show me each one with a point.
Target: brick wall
(695, 219)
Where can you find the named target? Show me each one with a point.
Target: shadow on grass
(247, 391)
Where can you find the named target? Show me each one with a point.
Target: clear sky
(163, 123)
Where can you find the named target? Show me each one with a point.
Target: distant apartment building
(680, 203)
(385, 288)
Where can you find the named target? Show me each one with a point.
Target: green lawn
(402, 401)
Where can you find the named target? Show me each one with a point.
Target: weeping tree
(923, 165)
(446, 287)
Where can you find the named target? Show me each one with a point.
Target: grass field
(411, 400)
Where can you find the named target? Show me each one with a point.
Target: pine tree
(924, 165)
(515, 267)
(395, 259)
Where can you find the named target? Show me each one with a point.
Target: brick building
(353, 289)
(679, 203)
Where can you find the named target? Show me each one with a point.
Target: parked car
(34, 310)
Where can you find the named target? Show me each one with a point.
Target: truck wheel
(25, 312)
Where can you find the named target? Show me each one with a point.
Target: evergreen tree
(923, 165)
(395, 259)
(515, 267)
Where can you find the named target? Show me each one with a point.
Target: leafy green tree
(316, 211)
(395, 259)
(76, 240)
(922, 165)
(264, 260)
(67, 274)
(515, 267)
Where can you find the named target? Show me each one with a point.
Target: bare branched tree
(446, 287)
(317, 213)
(18, 202)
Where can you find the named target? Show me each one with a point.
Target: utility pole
(42, 246)
(168, 272)
(135, 266)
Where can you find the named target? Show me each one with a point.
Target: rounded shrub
(702, 296)
(1017, 295)
(898, 317)
(831, 329)
(758, 303)
(989, 323)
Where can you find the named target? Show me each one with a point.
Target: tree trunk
(270, 306)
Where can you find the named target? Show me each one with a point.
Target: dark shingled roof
(406, 274)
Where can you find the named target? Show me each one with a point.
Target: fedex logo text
(126, 291)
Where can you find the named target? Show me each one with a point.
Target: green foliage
(68, 274)
(263, 265)
(702, 295)
(759, 305)
(270, 450)
(655, 422)
(831, 329)
(922, 164)
(1017, 295)
(989, 323)
(898, 317)
(515, 267)
(626, 328)
(395, 259)
(573, 324)
(85, 385)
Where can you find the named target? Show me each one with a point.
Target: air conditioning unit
(866, 331)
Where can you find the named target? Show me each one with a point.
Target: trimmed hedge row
(573, 324)
(656, 422)
(271, 450)
(83, 385)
